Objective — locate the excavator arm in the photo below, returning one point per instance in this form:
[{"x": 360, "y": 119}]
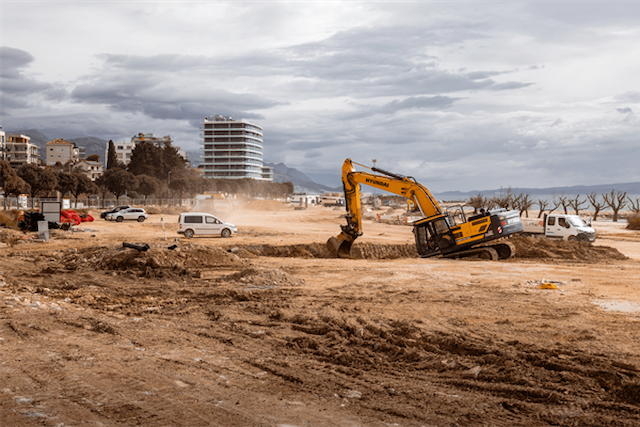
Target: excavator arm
[{"x": 393, "y": 183}]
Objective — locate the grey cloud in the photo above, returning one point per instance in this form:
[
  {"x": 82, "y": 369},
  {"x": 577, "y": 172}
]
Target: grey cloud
[
  {"x": 159, "y": 96},
  {"x": 481, "y": 75},
  {"x": 630, "y": 97},
  {"x": 625, "y": 110},
  {"x": 363, "y": 62},
  {"x": 16, "y": 89},
  {"x": 509, "y": 86},
  {"x": 12, "y": 61}
]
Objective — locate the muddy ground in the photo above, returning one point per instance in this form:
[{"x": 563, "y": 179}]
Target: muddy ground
[{"x": 264, "y": 329}]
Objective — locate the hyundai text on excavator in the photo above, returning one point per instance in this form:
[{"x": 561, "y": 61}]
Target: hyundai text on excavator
[{"x": 437, "y": 232}]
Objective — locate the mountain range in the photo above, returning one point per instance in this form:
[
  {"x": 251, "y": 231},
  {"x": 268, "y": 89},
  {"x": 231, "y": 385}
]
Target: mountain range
[{"x": 301, "y": 182}]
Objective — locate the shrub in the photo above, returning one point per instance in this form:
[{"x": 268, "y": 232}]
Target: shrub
[{"x": 633, "y": 222}]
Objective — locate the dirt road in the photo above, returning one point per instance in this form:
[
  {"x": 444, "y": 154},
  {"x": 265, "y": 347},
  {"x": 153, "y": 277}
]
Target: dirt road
[{"x": 262, "y": 330}]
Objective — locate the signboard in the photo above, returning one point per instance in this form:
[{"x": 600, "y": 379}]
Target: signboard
[{"x": 51, "y": 211}]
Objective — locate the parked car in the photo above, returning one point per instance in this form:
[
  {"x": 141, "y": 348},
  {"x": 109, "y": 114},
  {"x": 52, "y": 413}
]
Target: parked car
[
  {"x": 104, "y": 214},
  {"x": 136, "y": 214},
  {"x": 201, "y": 223}
]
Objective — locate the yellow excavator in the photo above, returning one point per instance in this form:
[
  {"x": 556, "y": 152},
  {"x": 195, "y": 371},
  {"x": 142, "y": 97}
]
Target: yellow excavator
[{"x": 436, "y": 233}]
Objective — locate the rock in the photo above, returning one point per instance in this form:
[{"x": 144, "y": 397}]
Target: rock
[
  {"x": 473, "y": 372},
  {"x": 352, "y": 394}
]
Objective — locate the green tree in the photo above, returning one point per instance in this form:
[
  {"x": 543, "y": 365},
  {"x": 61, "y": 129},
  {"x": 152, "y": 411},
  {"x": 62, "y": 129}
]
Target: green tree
[
  {"x": 171, "y": 161},
  {"x": 84, "y": 186},
  {"x": 118, "y": 181},
  {"x": 112, "y": 160},
  {"x": 10, "y": 182},
  {"x": 93, "y": 158},
  {"x": 148, "y": 185},
  {"x": 146, "y": 159},
  {"x": 67, "y": 182},
  {"x": 41, "y": 181}
]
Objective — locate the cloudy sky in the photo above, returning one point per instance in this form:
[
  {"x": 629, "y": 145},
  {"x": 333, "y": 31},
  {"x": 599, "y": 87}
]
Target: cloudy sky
[{"x": 463, "y": 95}]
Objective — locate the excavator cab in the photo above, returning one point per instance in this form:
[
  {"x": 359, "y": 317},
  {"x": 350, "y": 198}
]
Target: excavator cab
[{"x": 433, "y": 236}]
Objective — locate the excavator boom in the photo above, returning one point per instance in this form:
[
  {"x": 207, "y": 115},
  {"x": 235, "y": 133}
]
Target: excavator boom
[{"x": 436, "y": 233}]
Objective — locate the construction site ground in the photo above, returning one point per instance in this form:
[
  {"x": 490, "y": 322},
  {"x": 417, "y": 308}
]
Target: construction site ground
[{"x": 265, "y": 329}]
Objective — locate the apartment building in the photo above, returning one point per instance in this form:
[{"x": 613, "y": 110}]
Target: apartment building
[
  {"x": 232, "y": 149},
  {"x": 20, "y": 151},
  {"x": 89, "y": 168},
  {"x": 61, "y": 151}
]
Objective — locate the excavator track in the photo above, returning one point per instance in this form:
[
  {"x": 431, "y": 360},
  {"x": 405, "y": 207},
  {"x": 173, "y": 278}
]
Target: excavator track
[{"x": 494, "y": 252}]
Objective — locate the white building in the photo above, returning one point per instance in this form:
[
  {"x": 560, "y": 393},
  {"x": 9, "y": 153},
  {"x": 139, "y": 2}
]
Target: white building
[
  {"x": 89, "y": 168},
  {"x": 3, "y": 145},
  {"x": 61, "y": 151},
  {"x": 232, "y": 149}
]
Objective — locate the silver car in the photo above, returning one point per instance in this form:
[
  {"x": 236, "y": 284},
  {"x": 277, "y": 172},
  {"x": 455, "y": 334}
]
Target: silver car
[{"x": 136, "y": 214}]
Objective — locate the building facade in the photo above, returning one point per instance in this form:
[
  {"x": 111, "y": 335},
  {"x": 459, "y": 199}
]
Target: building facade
[
  {"x": 232, "y": 148},
  {"x": 61, "y": 151},
  {"x": 20, "y": 151},
  {"x": 89, "y": 168},
  {"x": 3, "y": 145}
]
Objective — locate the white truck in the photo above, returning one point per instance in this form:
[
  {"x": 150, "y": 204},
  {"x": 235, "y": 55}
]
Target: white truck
[{"x": 559, "y": 226}]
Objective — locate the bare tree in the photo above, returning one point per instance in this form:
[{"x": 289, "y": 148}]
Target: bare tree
[
  {"x": 544, "y": 204},
  {"x": 576, "y": 204},
  {"x": 634, "y": 204},
  {"x": 478, "y": 202},
  {"x": 504, "y": 199},
  {"x": 597, "y": 204},
  {"x": 564, "y": 202},
  {"x": 524, "y": 203},
  {"x": 615, "y": 201}
]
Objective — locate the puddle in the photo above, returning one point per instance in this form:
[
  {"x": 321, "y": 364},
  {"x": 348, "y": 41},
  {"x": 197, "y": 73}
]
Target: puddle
[{"x": 618, "y": 305}]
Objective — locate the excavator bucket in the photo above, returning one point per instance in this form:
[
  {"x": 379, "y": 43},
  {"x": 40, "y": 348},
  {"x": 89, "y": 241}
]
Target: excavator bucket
[{"x": 339, "y": 248}]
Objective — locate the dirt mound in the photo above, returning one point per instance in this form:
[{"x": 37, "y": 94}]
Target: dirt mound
[
  {"x": 526, "y": 248},
  {"x": 156, "y": 262},
  {"x": 10, "y": 236},
  {"x": 540, "y": 248},
  {"x": 263, "y": 277},
  {"x": 319, "y": 250},
  {"x": 374, "y": 251},
  {"x": 264, "y": 205}
]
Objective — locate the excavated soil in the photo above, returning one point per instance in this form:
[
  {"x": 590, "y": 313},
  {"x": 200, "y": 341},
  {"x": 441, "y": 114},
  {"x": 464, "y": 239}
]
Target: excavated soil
[
  {"x": 547, "y": 249},
  {"x": 526, "y": 248},
  {"x": 265, "y": 330}
]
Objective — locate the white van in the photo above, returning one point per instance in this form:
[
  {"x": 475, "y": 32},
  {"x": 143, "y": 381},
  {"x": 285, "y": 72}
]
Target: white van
[{"x": 201, "y": 223}]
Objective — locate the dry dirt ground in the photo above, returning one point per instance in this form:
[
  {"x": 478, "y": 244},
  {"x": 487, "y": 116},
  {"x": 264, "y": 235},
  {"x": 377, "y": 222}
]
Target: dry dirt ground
[{"x": 263, "y": 330}]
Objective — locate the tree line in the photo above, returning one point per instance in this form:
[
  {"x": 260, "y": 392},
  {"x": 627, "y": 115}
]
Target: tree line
[
  {"x": 614, "y": 200},
  {"x": 153, "y": 170}
]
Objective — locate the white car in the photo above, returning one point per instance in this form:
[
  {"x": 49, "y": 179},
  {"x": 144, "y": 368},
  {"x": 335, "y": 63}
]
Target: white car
[
  {"x": 136, "y": 214},
  {"x": 202, "y": 223}
]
